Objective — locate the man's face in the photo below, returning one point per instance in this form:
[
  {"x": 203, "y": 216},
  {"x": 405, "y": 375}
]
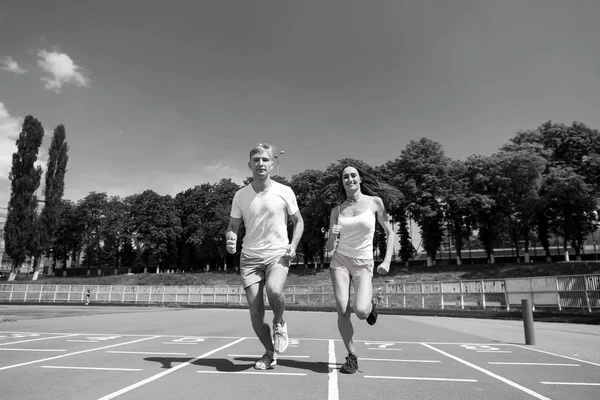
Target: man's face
[{"x": 261, "y": 164}]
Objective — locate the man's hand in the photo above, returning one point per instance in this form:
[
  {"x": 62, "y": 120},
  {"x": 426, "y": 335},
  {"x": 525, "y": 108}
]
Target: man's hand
[
  {"x": 231, "y": 242},
  {"x": 383, "y": 268},
  {"x": 290, "y": 253}
]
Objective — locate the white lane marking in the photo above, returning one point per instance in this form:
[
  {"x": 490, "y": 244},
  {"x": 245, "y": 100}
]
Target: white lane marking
[
  {"x": 78, "y": 352},
  {"x": 493, "y": 375},
  {"x": 83, "y": 341},
  {"x": 382, "y": 349},
  {"x": 333, "y": 391},
  {"x": 47, "y": 350},
  {"x": 170, "y": 370},
  {"x": 42, "y": 338},
  {"x": 252, "y": 373},
  {"x": 493, "y": 351},
  {"x": 572, "y": 383},
  {"x": 415, "y": 378},
  {"x": 556, "y": 355},
  {"x": 160, "y": 353},
  {"x": 279, "y": 357},
  {"x": 537, "y": 364},
  {"x": 178, "y": 343},
  {"x": 91, "y": 368},
  {"x": 399, "y": 360}
]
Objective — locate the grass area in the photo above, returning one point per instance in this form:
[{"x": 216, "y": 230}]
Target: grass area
[
  {"x": 315, "y": 277},
  {"x": 7, "y": 318}
]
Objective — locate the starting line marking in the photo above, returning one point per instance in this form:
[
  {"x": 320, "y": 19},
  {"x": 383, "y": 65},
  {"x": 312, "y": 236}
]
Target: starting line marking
[
  {"x": 533, "y": 363},
  {"x": 252, "y": 373},
  {"x": 571, "y": 383},
  {"x": 398, "y": 360},
  {"x": 411, "y": 378},
  {"x": 46, "y": 350},
  {"x": 279, "y": 357},
  {"x": 147, "y": 352},
  {"x": 91, "y": 368}
]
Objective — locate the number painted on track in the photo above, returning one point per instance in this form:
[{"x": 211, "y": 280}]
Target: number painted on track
[
  {"x": 479, "y": 347},
  {"x": 188, "y": 340},
  {"x": 19, "y": 336}
]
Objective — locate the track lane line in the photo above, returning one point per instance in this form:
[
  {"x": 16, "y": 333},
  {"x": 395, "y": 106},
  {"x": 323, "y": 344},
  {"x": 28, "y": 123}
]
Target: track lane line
[
  {"x": 332, "y": 387},
  {"x": 40, "y": 338},
  {"x": 169, "y": 371},
  {"x": 556, "y": 355},
  {"x": 493, "y": 375},
  {"x": 77, "y": 352}
]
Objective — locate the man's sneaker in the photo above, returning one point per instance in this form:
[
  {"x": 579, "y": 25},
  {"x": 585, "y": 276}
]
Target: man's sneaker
[
  {"x": 351, "y": 364},
  {"x": 280, "y": 337},
  {"x": 267, "y": 361},
  {"x": 372, "y": 318}
]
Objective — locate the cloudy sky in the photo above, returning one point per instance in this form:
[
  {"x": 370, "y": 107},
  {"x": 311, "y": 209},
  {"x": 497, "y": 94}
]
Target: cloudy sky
[{"x": 166, "y": 95}]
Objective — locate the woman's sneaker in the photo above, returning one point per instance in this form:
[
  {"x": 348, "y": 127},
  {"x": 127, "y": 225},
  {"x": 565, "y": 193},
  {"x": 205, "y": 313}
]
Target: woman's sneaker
[
  {"x": 280, "y": 337},
  {"x": 372, "y": 318},
  {"x": 351, "y": 364}
]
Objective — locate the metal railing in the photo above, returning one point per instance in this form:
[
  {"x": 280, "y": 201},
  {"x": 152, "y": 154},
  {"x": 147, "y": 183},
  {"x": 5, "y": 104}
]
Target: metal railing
[{"x": 558, "y": 292}]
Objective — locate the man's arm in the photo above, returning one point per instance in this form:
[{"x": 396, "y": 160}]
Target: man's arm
[
  {"x": 231, "y": 234},
  {"x": 298, "y": 222}
]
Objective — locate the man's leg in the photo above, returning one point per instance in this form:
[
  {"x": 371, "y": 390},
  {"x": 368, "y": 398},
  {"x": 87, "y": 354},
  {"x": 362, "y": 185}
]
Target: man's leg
[
  {"x": 274, "y": 284},
  {"x": 275, "y": 278},
  {"x": 254, "y": 295}
]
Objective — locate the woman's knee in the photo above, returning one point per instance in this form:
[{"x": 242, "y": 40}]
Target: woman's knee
[{"x": 362, "y": 312}]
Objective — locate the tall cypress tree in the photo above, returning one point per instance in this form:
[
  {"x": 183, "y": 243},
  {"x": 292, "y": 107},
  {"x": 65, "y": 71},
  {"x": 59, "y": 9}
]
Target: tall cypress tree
[
  {"x": 56, "y": 168},
  {"x": 20, "y": 228}
]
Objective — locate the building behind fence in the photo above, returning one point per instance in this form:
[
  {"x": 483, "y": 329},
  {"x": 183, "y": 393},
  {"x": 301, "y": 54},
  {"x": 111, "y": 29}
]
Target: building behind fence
[{"x": 576, "y": 292}]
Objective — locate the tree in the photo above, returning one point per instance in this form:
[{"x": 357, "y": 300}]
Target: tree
[
  {"x": 56, "y": 168},
  {"x": 569, "y": 204},
  {"x": 489, "y": 190},
  {"x": 424, "y": 168},
  {"x": 523, "y": 173},
  {"x": 155, "y": 226},
  {"x": 314, "y": 209},
  {"x": 91, "y": 212},
  {"x": 20, "y": 228}
]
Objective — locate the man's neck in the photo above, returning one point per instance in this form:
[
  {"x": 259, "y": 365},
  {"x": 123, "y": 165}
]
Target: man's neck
[{"x": 260, "y": 185}]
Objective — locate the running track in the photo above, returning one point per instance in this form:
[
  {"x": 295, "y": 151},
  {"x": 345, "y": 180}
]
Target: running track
[{"x": 77, "y": 352}]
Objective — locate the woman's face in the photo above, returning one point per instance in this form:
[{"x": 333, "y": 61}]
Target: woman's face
[{"x": 351, "y": 178}]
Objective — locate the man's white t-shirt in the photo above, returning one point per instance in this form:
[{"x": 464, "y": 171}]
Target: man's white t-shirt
[{"x": 265, "y": 218}]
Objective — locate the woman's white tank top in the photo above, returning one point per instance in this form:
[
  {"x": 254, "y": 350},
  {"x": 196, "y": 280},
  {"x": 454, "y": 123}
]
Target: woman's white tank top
[{"x": 356, "y": 237}]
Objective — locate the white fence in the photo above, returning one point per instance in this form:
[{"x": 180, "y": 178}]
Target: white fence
[{"x": 559, "y": 292}]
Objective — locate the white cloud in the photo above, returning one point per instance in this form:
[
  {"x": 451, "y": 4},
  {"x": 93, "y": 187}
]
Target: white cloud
[
  {"x": 9, "y": 131},
  {"x": 9, "y": 64},
  {"x": 62, "y": 70}
]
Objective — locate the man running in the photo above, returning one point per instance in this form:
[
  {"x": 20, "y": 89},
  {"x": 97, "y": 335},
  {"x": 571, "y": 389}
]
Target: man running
[{"x": 265, "y": 206}]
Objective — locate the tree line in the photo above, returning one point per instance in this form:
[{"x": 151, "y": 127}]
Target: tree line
[{"x": 543, "y": 182}]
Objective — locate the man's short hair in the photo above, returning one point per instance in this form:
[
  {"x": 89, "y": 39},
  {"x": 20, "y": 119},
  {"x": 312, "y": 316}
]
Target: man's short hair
[{"x": 263, "y": 146}]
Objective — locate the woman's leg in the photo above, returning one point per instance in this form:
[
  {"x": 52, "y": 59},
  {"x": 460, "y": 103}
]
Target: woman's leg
[
  {"x": 341, "y": 291},
  {"x": 363, "y": 295}
]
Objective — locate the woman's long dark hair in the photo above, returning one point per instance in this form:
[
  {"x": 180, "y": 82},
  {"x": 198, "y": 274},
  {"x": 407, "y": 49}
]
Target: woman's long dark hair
[{"x": 370, "y": 186}]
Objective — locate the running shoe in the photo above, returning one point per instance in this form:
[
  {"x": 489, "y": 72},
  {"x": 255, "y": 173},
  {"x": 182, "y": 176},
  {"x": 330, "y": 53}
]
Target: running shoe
[
  {"x": 372, "y": 318},
  {"x": 280, "y": 337},
  {"x": 351, "y": 364},
  {"x": 267, "y": 361}
]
